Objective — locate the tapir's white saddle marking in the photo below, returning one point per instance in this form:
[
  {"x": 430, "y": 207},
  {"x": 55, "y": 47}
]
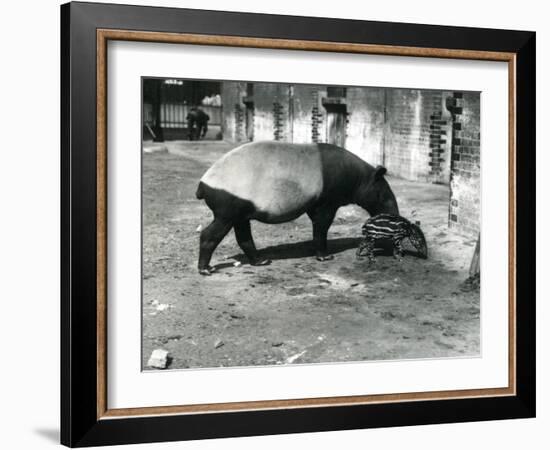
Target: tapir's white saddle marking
[{"x": 278, "y": 178}]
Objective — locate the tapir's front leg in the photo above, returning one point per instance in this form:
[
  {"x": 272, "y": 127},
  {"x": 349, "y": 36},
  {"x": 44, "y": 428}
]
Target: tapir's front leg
[{"x": 321, "y": 218}]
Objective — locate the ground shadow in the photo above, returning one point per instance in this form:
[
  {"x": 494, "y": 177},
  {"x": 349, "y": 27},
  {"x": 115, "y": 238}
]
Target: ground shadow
[
  {"x": 225, "y": 265},
  {"x": 387, "y": 250},
  {"x": 51, "y": 434},
  {"x": 303, "y": 249}
]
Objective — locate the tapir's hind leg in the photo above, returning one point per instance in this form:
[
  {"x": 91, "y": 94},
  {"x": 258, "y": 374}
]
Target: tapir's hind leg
[
  {"x": 322, "y": 218},
  {"x": 245, "y": 241},
  {"x": 211, "y": 236}
]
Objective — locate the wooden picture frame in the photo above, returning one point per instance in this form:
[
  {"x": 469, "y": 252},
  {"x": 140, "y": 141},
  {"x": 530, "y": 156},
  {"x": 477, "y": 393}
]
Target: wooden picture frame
[{"x": 85, "y": 416}]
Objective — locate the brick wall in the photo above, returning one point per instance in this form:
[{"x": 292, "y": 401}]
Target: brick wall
[
  {"x": 270, "y": 111},
  {"x": 317, "y": 117},
  {"x": 233, "y": 111},
  {"x": 278, "y": 121},
  {"x": 418, "y": 123},
  {"x": 406, "y": 130},
  {"x": 366, "y": 128},
  {"x": 464, "y": 209},
  {"x": 439, "y": 137},
  {"x": 305, "y": 104}
]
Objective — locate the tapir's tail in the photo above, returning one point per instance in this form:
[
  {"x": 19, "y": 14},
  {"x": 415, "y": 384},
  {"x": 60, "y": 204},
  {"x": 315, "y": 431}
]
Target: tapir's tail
[{"x": 200, "y": 191}]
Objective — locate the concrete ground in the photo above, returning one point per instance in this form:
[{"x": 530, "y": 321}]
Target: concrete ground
[{"x": 296, "y": 310}]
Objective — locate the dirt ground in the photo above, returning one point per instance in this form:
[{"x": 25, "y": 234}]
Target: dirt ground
[{"x": 296, "y": 310}]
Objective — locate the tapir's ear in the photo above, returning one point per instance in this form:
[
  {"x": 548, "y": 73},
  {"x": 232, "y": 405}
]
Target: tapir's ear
[{"x": 379, "y": 172}]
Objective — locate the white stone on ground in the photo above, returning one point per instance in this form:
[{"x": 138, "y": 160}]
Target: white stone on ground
[{"x": 158, "y": 359}]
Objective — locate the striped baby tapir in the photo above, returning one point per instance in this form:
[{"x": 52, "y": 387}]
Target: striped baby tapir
[{"x": 395, "y": 229}]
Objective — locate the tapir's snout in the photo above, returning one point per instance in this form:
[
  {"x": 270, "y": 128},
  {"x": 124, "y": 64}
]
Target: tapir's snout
[{"x": 388, "y": 203}]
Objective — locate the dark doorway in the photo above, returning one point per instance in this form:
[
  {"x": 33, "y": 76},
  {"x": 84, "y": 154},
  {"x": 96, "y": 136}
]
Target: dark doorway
[
  {"x": 249, "y": 112},
  {"x": 249, "y": 121}
]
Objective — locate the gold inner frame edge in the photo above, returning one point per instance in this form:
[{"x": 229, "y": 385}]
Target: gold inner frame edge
[{"x": 103, "y": 36}]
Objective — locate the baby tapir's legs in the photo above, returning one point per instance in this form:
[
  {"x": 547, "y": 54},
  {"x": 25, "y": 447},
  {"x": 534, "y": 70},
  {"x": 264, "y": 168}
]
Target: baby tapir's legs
[
  {"x": 398, "y": 248},
  {"x": 245, "y": 241},
  {"x": 368, "y": 245},
  {"x": 211, "y": 236},
  {"x": 321, "y": 218}
]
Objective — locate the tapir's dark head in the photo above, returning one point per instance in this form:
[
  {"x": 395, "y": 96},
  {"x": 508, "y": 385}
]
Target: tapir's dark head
[{"x": 375, "y": 195}]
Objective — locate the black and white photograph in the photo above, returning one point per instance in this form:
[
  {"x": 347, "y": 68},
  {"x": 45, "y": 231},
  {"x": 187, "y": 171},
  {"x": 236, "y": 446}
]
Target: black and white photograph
[{"x": 297, "y": 224}]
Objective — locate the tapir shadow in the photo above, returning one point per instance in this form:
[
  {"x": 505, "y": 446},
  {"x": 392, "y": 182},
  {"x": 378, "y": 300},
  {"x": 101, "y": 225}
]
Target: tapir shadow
[
  {"x": 303, "y": 249},
  {"x": 306, "y": 249},
  {"x": 388, "y": 251}
]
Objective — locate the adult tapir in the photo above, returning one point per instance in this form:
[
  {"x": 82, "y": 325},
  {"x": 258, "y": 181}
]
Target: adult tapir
[{"x": 276, "y": 182}]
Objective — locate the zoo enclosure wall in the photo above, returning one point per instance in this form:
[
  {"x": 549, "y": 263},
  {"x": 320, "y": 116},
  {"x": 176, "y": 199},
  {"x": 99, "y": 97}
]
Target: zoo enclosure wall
[{"x": 420, "y": 135}]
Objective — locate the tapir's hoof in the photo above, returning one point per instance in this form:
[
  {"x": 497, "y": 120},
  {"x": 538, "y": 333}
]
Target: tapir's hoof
[
  {"x": 325, "y": 257},
  {"x": 207, "y": 271},
  {"x": 261, "y": 262}
]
